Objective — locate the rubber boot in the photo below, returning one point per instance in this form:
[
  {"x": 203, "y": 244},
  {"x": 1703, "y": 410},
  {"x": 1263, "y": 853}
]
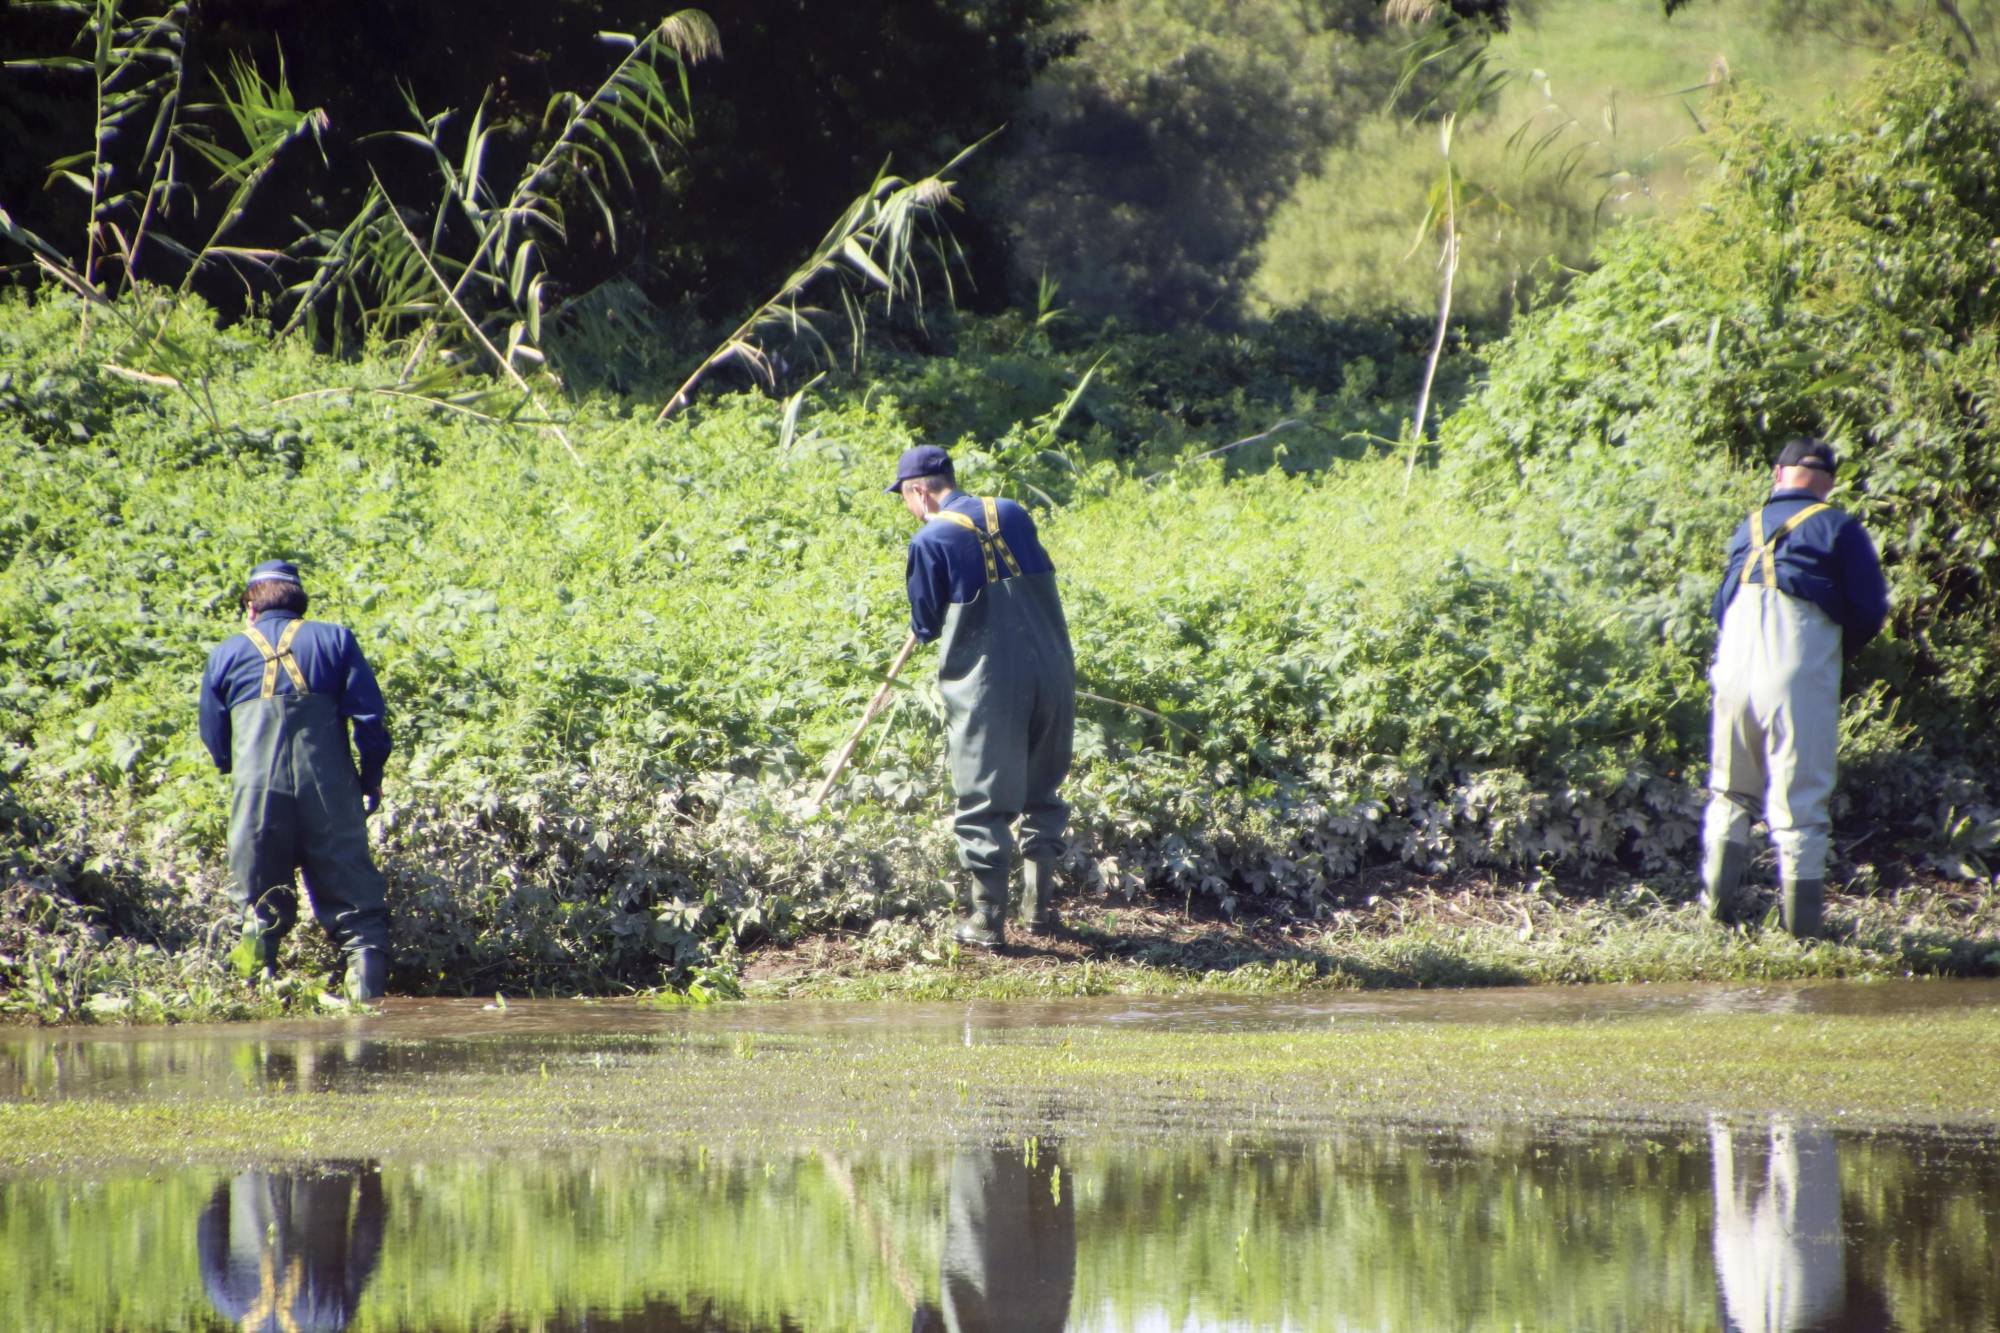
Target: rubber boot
[
  {"x": 367, "y": 974},
  {"x": 1722, "y": 870},
  {"x": 985, "y": 926},
  {"x": 1038, "y": 898},
  {"x": 1802, "y": 902}
]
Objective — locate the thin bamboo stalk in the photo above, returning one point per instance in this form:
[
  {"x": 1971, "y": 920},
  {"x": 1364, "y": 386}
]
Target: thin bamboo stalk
[
  {"x": 867, "y": 716},
  {"x": 1450, "y": 261}
]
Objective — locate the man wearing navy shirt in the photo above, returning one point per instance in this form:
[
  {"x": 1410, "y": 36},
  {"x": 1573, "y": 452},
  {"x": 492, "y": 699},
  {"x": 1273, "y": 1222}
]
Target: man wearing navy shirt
[
  {"x": 276, "y": 704},
  {"x": 1803, "y": 589},
  {"x": 981, "y": 584}
]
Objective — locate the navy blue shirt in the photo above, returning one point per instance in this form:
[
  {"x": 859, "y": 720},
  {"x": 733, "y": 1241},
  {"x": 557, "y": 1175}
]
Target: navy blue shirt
[
  {"x": 329, "y": 659},
  {"x": 946, "y": 564},
  {"x": 1828, "y": 560}
]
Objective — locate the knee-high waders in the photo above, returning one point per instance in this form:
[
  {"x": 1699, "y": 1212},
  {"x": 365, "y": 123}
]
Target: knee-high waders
[
  {"x": 1773, "y": 738},
  {"x": 295, "y": 804},
  {"x": 1008, "y": 678}
]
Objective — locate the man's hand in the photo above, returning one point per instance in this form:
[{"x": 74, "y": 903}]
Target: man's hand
[{"x": 371, "y": 801}]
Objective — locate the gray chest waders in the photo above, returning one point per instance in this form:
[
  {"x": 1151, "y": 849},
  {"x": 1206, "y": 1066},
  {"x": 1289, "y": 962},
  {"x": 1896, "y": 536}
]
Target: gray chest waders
[
  {"x": 295, "y": 804},
  {"x": 1008, "y": 679},
  {"x": 1009, "y": 1258},
  {"x": 1772, "y": 737}
]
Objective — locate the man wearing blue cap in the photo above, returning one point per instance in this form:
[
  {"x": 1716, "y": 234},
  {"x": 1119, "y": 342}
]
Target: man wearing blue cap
[
  {"x": 273, "y": 703},
  {"x": 981, "y": 584},
  {"x": 1803, "y": 589}
]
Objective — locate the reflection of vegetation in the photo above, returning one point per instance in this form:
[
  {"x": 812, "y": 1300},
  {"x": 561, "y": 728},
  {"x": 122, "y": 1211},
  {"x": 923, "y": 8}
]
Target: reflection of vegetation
[{"x": 1401, "y": 1229}]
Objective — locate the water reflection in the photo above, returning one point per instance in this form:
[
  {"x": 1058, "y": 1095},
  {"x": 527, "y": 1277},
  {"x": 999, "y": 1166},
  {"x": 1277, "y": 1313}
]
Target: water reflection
[
  {"x": 79, "y": 1064},
  {"x": 292, "y": 1251},
  {"x": 1009, "y": 1246},
  {"x": 1780, "y": 1251},
  {"x": 1770, "y": 1226}
]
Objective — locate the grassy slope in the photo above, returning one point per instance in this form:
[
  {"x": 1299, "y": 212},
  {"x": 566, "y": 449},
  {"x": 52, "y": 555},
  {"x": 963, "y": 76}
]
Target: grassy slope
[{"x": 1629, "y": 88}]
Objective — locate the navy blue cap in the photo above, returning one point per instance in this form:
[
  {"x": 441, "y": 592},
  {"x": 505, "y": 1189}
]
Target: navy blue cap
[
  {"x": 1815, "y": 454},
  {"x": 275, "y": 571},
  {"x": 923, "y": 460}
]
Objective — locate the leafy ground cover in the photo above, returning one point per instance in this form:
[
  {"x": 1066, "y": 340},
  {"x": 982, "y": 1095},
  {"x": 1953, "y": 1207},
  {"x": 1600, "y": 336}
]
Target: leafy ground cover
[{"x": 615, "y": 676}]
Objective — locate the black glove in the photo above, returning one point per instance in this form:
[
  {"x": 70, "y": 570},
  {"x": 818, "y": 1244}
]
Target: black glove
[{"x": 371, "y": 801}]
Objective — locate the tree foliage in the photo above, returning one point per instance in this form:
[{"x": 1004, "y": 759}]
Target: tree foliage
[
  {"x": 1151, "y": 151},
  {"x": 799, "y": 117}
]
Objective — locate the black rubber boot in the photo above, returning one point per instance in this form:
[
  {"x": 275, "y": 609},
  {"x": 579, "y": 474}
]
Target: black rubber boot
[
  {"x": 1038, "y": 898},
  {"x": 1803, "y": 901},
  {"x": 1722, "y": 871},
  {"x": 367, "y": 974},
  {"x": 985, "y": 926}
]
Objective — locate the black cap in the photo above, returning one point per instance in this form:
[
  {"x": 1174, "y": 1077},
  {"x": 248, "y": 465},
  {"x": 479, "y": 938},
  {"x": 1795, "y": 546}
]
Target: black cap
[
  {"x": 924, "y": 460},
  {"x": 1815, "y": 454}
]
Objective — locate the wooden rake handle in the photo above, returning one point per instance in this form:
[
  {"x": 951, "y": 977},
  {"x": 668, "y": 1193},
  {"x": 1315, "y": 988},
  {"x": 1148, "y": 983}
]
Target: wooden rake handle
[{"x": 867, "y": 715}]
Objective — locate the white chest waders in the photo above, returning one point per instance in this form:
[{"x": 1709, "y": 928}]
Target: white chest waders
[
  {"x": 1772, "y": 736},
  {"x": 1779, "y": 1247},
  {"x": 1008, "y": 679}
]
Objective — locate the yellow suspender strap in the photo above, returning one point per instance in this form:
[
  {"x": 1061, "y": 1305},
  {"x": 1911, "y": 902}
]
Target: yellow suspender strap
[
  {"x": 1762, "y": 553},
  {"x": 995, "y": 540},
  {"x": 949, "y": 516},
  {"x": 991, "y": 544},
  {"x": 275, "y": 657}
]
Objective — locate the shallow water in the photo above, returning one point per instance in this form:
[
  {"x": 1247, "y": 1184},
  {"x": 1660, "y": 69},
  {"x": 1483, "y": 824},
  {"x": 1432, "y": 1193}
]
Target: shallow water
[{"x": 1777, "y": 1224}]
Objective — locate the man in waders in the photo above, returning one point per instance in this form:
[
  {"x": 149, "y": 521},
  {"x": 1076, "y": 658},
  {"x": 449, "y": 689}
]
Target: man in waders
[
  {"x": 276, "y": 702},
  {"x": 980, "y": 583},
  {"x": 1803, "y": 588}
]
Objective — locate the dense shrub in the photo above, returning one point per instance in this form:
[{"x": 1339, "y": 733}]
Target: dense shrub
[
  {"x": 1149, "y": 153},
  {"x": 1841, "y": 281},
  {"x": 614, "y": 684}
]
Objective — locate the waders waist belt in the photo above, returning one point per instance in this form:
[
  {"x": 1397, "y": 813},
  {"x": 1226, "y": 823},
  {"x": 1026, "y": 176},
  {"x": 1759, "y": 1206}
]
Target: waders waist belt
[{"x": 991, "y": 544}]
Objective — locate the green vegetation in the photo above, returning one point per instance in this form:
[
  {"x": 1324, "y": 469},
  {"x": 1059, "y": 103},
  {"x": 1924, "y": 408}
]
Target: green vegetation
[
  {"x": 1600, "y": 122},
  {"x": 867, "y": 1086},
  {"x": 618, "y": 651},
  {"x": 1797, "y": 298}
]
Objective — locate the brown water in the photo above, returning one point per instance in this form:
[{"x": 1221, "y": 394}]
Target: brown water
[{"x": 1781, "y": 1224}]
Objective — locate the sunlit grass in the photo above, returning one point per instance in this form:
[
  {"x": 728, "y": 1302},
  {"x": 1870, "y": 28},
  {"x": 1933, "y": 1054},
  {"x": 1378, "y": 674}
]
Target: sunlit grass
[{"x": 707, "y": 1086}]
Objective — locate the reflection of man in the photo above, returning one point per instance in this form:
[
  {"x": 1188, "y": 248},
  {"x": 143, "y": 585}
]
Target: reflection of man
[
  {"x": 1803, "y": 587},
  {"x": 277, "y": 702},
  {"x": 981, "y": 584},
  {"x": 1009, "y": 1245},
  {"x": 1778, "y": 1251},
  {"x": 315, "y": 1066},
  {"x": 291, "y": 1251}
]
